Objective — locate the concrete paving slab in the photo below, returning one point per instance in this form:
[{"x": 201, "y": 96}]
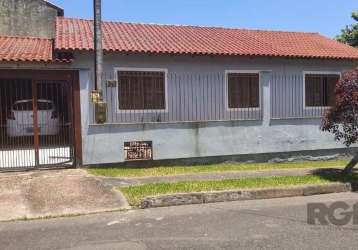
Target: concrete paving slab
[{"x": 55, "y": 193}]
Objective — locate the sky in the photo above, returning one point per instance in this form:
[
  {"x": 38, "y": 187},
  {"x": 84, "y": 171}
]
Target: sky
[{"x": 327, "y": 17}]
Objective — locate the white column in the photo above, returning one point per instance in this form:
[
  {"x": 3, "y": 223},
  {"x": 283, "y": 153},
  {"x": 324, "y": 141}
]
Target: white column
[{"x": 266, "y": 97}]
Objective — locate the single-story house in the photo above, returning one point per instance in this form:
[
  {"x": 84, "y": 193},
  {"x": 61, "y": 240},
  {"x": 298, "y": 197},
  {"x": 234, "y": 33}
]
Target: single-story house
[{"x": 172, "y": 91}]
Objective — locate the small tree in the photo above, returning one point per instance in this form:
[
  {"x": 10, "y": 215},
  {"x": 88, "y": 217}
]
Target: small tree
[
  {"x": 349, "y": 34},
  {"x": 342, "y": 119}
]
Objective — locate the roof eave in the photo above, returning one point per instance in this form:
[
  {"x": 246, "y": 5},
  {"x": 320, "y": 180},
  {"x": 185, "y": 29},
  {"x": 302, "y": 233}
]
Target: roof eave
[{"x": 205, "y": 54}]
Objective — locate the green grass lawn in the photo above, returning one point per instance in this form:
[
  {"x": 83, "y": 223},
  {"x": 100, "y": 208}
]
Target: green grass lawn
[
  {"x": 135, "y": 194},
  {"x": 129, "y": 172}
]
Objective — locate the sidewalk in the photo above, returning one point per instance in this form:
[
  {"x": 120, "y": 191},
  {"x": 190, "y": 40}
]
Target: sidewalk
[
  {"x": 55, "y": 193},
  {"x": 125, "y": 182}
]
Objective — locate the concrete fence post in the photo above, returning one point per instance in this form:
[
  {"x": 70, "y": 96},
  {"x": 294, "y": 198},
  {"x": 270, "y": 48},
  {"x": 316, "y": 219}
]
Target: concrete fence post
[{"x": 266, "y": 97}]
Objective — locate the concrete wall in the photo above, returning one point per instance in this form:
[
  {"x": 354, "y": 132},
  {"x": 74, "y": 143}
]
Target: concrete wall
[
  {"x": 33, "y": 18},
  {"x": 105, "y": 143}
]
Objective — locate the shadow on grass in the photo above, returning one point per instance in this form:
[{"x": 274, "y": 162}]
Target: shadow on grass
[{"x": 337, "y": 175}]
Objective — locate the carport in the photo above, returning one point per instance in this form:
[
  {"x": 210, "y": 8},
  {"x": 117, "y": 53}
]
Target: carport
[{"x": 39, "y": 119}]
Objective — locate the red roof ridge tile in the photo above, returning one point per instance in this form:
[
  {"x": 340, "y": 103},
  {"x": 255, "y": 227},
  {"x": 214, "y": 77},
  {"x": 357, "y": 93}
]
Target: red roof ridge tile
[{"x": 190, "y": 26}]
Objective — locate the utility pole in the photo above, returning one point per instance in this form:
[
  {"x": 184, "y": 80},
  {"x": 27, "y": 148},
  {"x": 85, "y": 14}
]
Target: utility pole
[
  {"x": 98, "y": 47},
  {"x": 97, "y": 95}
]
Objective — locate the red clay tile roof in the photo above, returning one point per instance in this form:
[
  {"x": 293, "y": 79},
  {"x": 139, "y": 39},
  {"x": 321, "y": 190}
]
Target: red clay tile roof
[
  {"x": 30, "y": 49},
  {"x": 15, "y": 49},
  {"x": 76, "y": 34}
]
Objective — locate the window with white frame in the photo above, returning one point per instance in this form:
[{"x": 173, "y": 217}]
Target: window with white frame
[
  {"x": 243, "y": 90},
  {"x": 319, "y": 89},
  {"x": 141, "y": 90}
]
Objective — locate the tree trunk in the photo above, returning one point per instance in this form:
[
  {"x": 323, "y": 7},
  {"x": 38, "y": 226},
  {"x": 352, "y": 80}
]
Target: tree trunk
[{"x": 349, "y": 168}]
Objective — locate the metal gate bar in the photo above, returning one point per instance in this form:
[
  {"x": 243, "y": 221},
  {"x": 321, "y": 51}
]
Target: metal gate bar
[
  {"x": 27, "y": 139},
  {"x": 35, "y": 122},
  {"x": 56, "y": 149},
  {"x": 15, "y": 152}
]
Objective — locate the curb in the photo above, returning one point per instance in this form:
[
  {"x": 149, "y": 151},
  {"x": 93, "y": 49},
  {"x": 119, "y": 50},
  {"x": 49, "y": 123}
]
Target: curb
[{"x": 239, "y": 195}]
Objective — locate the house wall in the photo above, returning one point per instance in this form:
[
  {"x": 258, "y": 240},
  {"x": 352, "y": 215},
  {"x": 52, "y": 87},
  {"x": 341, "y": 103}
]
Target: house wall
[
  {"x": 197, "y": 87},
  {"x": 34, "y": 18},
  {"x": 105, "y": 143}
]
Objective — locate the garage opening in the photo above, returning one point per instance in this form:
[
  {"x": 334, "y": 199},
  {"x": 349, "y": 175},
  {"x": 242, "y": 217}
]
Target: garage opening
[{"x": 36, "y": 128}]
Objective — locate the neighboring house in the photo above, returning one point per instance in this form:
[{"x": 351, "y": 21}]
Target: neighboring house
[
  {"x": 31, "y": 18},
  {"x": 172, "y": 92}
]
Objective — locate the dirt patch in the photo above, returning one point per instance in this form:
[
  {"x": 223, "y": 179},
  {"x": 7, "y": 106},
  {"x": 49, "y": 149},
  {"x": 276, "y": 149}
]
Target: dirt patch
[{"x": 55, "y": 193}]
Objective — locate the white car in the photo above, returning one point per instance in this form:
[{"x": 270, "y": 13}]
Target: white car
[{"x": 20, "y": 118}]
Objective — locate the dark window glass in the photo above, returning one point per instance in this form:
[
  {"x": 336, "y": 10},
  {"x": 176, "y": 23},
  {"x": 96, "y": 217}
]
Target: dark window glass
[
  {"x": 243, "y": 90},
  {"x": 141, "y": 90},
  {"x": 319, "y": 90}
]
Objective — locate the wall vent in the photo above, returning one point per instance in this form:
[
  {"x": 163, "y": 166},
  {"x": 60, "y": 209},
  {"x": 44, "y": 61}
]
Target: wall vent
[{"x": 138, "y": 150}]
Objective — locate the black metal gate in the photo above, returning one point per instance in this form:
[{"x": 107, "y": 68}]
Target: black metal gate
[{"x": 36, "y": 123}]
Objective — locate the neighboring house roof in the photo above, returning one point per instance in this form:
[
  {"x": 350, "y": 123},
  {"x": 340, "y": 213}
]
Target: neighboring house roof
[
  {"x": 60, "y": 11},
  {"x": 26, "y": 49},
  {"x": 77, "y": 34}
]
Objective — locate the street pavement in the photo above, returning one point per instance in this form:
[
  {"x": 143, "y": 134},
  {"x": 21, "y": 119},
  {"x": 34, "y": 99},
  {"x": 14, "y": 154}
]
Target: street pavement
[{"x": 258, "y": 224}]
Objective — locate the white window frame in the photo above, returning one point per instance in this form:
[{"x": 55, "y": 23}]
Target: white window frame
[
  {"x": 304, "y": 86},
  {"x": 163, "y": 70},
  {"x": 227, "y": 72}
]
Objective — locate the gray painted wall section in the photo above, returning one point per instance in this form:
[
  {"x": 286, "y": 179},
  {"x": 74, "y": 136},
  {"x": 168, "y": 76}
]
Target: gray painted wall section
[
  {"x": 197, "y": 86},
  {"x": 105, "y": 143},
  {"x": 287, "y": 93},
  {"x": 194, "y": 97}
]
